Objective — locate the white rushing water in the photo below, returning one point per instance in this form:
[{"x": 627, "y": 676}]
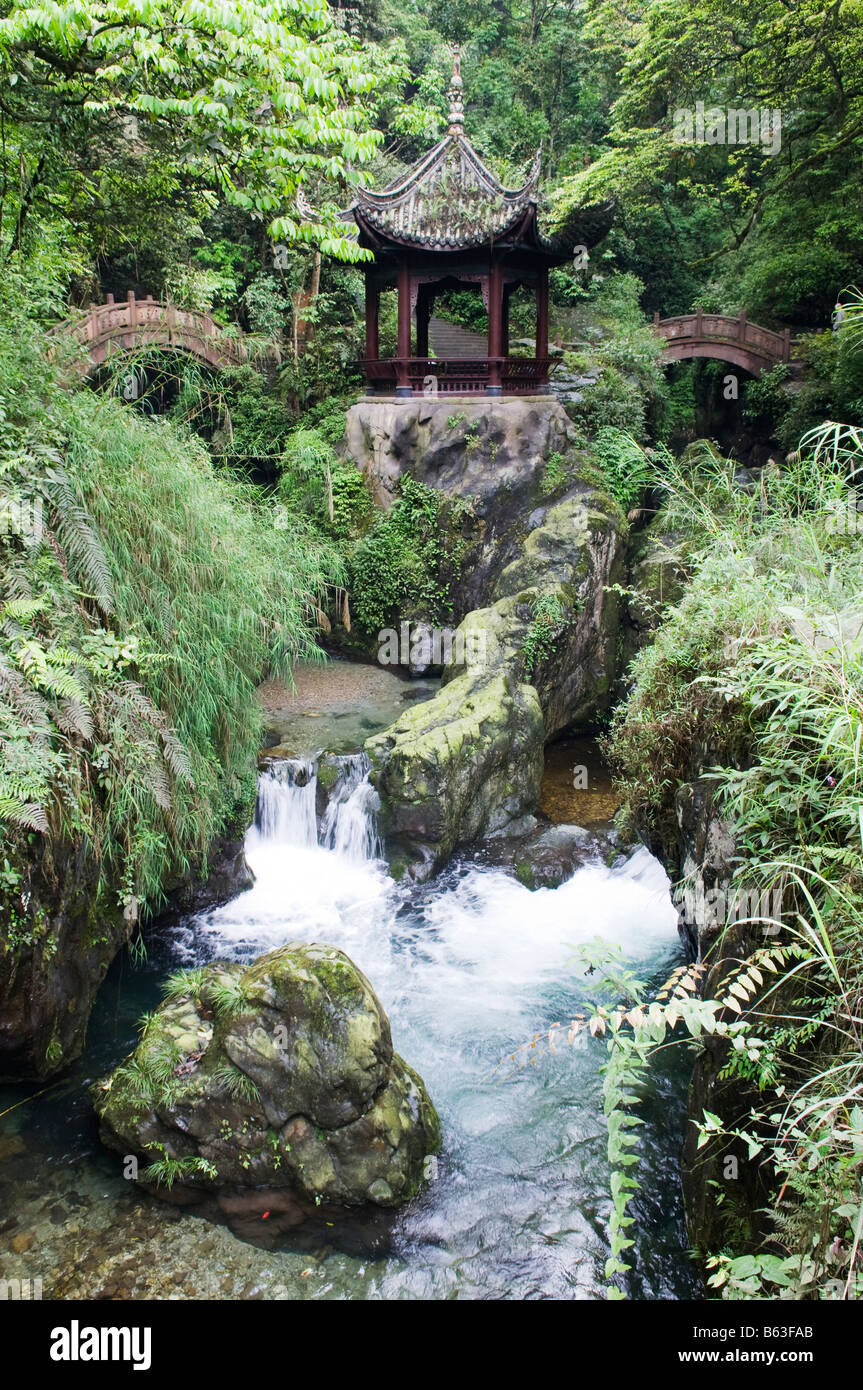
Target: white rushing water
[
  {"x": 349, "y": 824},
  {"x": 467, "y": 967}
]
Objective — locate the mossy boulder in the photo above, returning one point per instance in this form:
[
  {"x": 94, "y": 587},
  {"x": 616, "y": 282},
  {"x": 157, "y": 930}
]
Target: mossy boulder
[
  {"x": 507, "y": 461},
  {"x": 539, "y": 657},
  {"x": 551, "y": 856},
  {"x": 279, "y": 1075},
  {"x": 460, "y": 766}
]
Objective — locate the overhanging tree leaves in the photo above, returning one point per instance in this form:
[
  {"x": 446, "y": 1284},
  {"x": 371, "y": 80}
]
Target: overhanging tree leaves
[
  {"x": 257, "y": 94},
  {"x": 776, "y": 213}
]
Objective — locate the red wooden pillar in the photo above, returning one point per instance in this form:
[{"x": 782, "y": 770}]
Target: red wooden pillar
[
  {"x": 373, "y": 303},
  {"x": 504, "y": 332},
  {"x": 403, "y": 381},
  {"x": 542, "y": 321},
  {"x": 495, "y": 330},
  {"x": 423, "y": 316}
]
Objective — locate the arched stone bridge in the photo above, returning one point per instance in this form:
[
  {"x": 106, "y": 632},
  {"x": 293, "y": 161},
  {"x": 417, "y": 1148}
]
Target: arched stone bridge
[
  {"x": 731, "y": 338},
  {"x": 138, "y": 323}
]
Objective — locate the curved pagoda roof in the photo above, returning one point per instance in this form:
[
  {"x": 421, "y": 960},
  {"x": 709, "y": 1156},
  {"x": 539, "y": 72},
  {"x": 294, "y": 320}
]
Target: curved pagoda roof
[{"x": 450, "y": 200}]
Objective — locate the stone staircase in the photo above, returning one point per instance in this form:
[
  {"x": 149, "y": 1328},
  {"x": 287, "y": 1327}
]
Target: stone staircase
[{"x": 451, "y": 341}]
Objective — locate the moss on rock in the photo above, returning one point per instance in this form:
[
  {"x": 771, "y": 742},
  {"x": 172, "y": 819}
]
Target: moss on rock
[{"x": 296, "y": 1085}]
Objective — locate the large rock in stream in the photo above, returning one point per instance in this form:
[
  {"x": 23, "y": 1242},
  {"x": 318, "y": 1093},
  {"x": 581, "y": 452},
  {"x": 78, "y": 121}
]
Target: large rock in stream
[
  {"x": 275, "y": 1078},
  {"x": 536, "y": 648}
]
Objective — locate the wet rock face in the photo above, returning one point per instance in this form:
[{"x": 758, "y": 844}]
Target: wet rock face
[
  {"x": 705, "y": 851},
  {"x": 229, "y": 874},
  {"x": 702, "y": 855},
  {"x": 657, "y": 571},
  {"x": 551, "y": 857},
  {"x": 280, "y": 1075},
  {"x": 540, "y": 855},
  {"x": 62, "y": 943},
  {"x": 54, "y": 954}
]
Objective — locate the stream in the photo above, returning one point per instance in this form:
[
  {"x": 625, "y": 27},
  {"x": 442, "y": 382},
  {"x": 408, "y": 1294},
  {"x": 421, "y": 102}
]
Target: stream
[{"x": 469, "y": 968}]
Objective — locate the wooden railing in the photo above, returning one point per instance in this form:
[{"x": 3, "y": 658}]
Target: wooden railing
[
  {"x": 136, "y": 323},
  {"x": 523, "y": 376}
]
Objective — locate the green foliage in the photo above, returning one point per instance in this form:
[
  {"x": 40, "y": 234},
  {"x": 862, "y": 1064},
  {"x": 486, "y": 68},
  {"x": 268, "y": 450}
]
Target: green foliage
[
  {"x": 678, "y": 407},
  {"x": 235, "y": 1083},
  {"x": 614, "y": 401},
  {"x": 307, "y": 476},
  {"x": 548, "y": 622},
  {"x": 133, "y": 628},
  {"x": 764, "y": 395},
  {"x": 621, "y": 344},
  {"x": 164, "y": 1172},
  {"x": 464, "y": 307},
  {"x": 553, "y": 472},
  {"x": 184, "y": 984},
  {"x": 257, "y": 97},
  {"x": 266, "y": 306},
  {"x": 244, "y": 420},
  {"x": 636, "y": 1027},
  {"x": 756, "y": 679},
  {"x": 831, "y": 386},
  {"x": 625, "y": 467},
  {"x": 227, "y": 997},
  {"x": 775, "y": 226},
  {"x": 316, "y": 482}
]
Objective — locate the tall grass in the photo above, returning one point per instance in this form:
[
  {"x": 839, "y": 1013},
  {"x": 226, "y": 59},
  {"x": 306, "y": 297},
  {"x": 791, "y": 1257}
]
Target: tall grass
[{"x": 134, "y": 631}]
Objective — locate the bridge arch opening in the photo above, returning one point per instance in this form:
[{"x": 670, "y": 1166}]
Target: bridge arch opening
[
  {"x": 708, "y": 400},
  {"x": 155, "y": 379}
]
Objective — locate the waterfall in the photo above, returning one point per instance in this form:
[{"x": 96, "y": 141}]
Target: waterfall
[
  {"x": 472, "y": 969},
  {"x": 285, "y": 809},
  {"x": 349, "y": 825},
  {"x": 285, "y": 812}
]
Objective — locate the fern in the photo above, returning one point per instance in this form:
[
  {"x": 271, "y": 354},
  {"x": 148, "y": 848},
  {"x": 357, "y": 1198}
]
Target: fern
[
  {"x": 27, "y": 814},
  {"x": 228, "y": 998},
  {"x": 75, "y": 532},
  {"x": 135, "y": 626},
  {"x": 185, "y": 984}
]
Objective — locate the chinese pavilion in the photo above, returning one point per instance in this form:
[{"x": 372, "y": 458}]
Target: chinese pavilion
[{"x": 448, "y": 223}]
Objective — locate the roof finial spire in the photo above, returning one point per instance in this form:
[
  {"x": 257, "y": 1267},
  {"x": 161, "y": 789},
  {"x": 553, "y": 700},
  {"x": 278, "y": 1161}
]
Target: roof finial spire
[{"x": 456, "y": 109}]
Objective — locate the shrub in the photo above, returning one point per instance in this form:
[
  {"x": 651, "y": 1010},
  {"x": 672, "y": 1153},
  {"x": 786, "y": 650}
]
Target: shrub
[
  {"x": 624, "y": 466},
  {"x": 548, "y": 622},
  {"x": 332, "y": 492},
  {"x": 406, "y": 564}
]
